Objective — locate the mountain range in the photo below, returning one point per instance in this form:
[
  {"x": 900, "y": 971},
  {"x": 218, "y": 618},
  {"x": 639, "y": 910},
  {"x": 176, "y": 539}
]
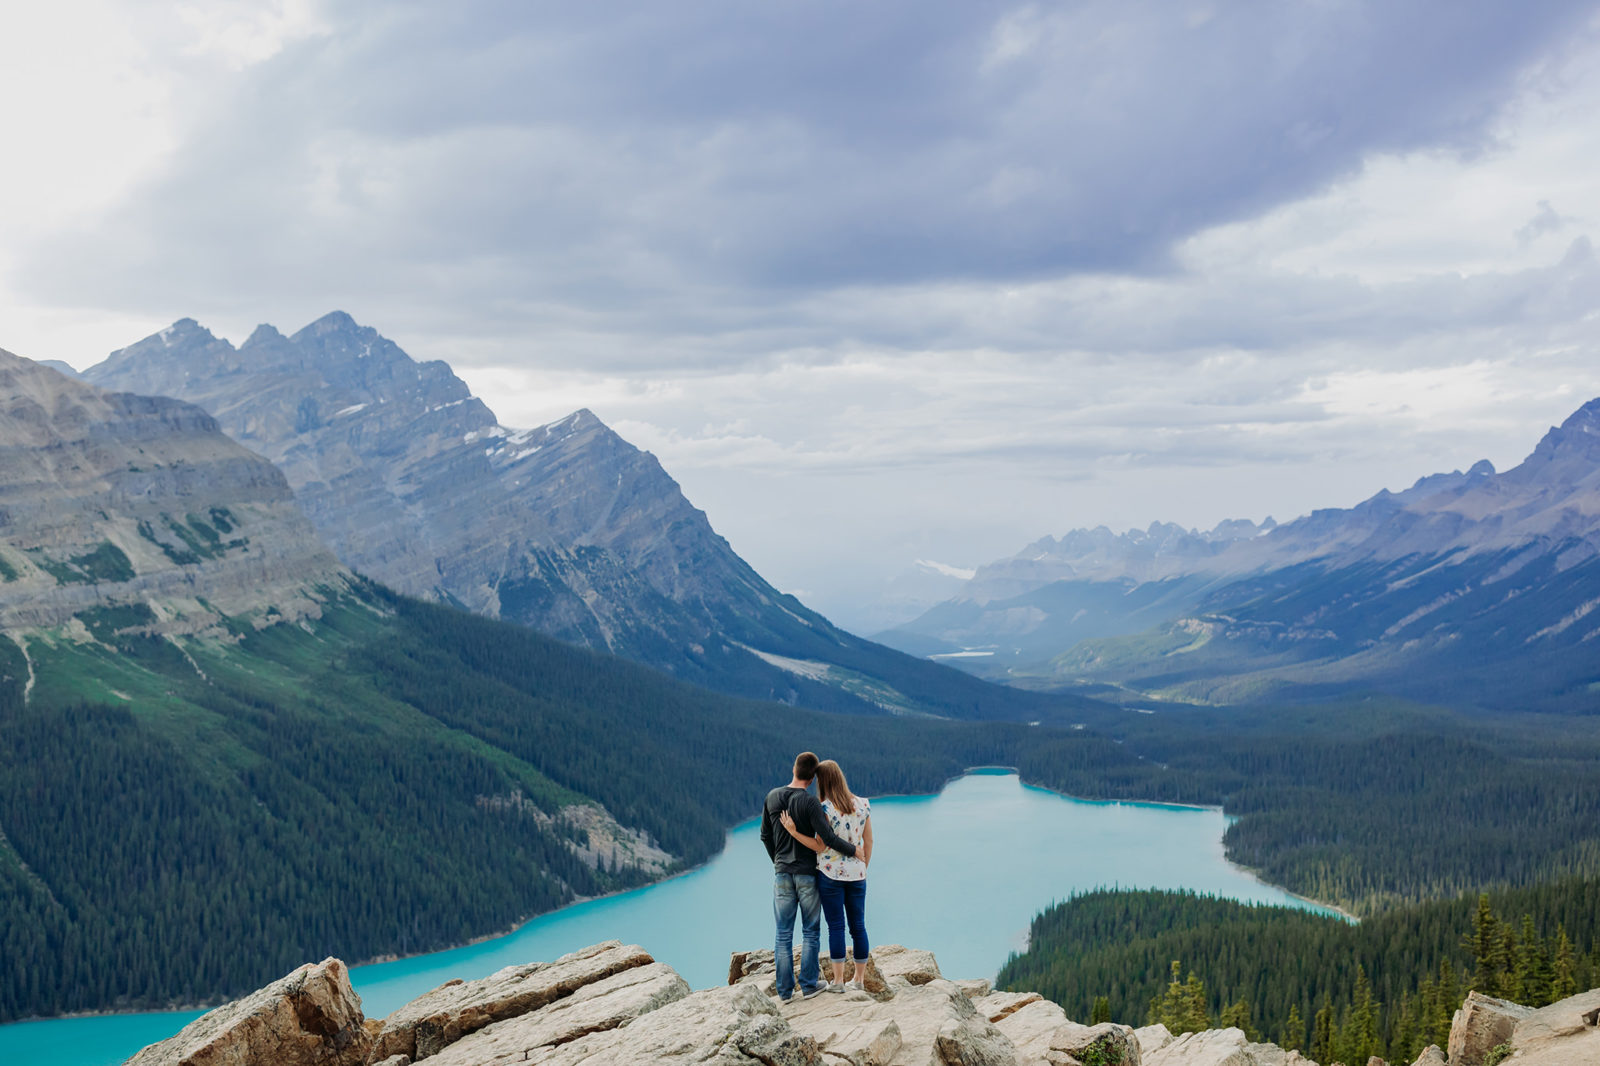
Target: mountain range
[
  {"x": 565, "y": 528},
  {"x": 1475, "y": 587}
]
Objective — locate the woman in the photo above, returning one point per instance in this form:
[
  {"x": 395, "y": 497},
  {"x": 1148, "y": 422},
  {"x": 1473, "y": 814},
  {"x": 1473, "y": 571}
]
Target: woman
[{"x": 841, "y": 881}]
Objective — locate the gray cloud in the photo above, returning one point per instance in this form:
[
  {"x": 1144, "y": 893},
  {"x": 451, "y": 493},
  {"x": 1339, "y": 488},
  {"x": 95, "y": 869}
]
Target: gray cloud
[{"x": 697, "y": 169}]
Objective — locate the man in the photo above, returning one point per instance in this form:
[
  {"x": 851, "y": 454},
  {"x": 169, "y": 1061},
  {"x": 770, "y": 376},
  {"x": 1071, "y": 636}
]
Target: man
[{"x": 794, "y": 885}]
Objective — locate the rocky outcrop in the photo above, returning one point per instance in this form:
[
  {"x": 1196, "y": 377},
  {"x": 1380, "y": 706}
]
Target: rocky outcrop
[
  {"x": 310, "y": 1018},
  {"x": 139, "y": 513},
  {"x": 1482, "y": 1024},
  {"x": 1566, "y": 1033},
  {"x": 1219, "y": 1047},
  {"x": 613, "y": 1005},
  {"x": 426, "y": 1025}
]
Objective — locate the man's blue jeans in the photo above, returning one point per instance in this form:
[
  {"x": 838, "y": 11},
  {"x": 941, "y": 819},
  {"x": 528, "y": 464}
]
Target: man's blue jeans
[{"x": 790, "y": 893}]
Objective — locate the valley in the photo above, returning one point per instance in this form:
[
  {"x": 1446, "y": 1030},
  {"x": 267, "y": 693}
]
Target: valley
[{"x": 217, "y": 736}]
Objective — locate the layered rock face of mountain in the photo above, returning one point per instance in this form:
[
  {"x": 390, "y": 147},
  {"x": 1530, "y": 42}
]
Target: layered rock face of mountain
[
  {"x": 566, "y": 528},
  {"x": 1474, "y": 584},
  {"x": 115, "y": 501}
]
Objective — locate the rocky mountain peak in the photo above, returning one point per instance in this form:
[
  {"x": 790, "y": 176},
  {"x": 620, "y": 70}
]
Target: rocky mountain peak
[
  {"x": 263, "y": 334},
  {"x": 110, "y": 499}
]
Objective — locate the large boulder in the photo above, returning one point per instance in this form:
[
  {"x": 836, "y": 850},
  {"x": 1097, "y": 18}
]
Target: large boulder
[
  {"x": 997, "y": 1005},
  {"x": 1106, "y": 1042},
  {"x": 733, "y": 1026},
  {"x": 607, "y": 1004},
  {"x": 1482, "y": 1024},
  {"x": 916, "y": 966},
  {"x": 1152, "y": 1038},
  {"x": 1217, "y": 1047},
  {"x": 1563, "y": 1034},
  {"x": 1031, "y": 1026},
  {"x": 427, "y": 1025},
  {"x": 934, "y": 1023},
  {"x": 312, "y": 1017}
]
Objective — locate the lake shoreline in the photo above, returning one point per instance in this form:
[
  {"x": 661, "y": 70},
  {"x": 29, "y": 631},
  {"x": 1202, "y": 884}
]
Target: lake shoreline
[{"x": 517, "y": 926}]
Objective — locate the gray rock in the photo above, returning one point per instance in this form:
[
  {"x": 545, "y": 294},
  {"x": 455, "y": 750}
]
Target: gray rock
[
  {"x": 428, "y": 1024},
  {"x": 916, "y": 966},
  {"x": 1482, "y": 1024},
  {"x": 312, "y": 1017},
  {"x": 1106, "y": 1041},
  {"x": 1566, "y": 1033},
  {"x": 1030, "y": 1026},
  {"x": 606, "y": 1004},
  {"x": 1431, "y": 1056},
  {"x": 1216, "y": 1047},
  {"x": 934, "y": 1023},
  {"x": 997, "y": 1005},
  {"x": 732, "y": 1026},
  {"x": 1152, "y": 1038}
]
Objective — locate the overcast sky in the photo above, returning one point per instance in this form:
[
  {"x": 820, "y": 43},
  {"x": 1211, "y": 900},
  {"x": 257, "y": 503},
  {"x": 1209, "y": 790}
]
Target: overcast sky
[{"x": 877, "y": 281}]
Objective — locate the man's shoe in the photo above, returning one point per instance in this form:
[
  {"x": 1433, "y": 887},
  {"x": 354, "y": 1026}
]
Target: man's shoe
[{"x": 813, "y": 993}]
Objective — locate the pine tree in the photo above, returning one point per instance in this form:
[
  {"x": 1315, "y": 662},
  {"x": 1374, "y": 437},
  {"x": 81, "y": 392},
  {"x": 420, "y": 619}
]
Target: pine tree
[
  {"x": 1237, "y": 1016},
  {"x": 1169, "y": 1009},
  {"x": 1487, "y": 943},
  {"x": 1195, "y": 1017},
  {"x": 1563, "y": 968},
  {"x": 1293, "y": 1037},
  {"x": 1102, "y": 1010},
  {"x": 1322, "y": 1034},
  {"x": 1448, "y": 998},
  {"x": 1403, "y": 1040},
  {"x": 1359, "y": 1034},
  {"x": 1532, "y": 967}
]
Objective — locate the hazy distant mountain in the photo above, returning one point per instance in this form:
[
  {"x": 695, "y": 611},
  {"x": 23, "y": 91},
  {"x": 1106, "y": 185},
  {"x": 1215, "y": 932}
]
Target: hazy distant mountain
[
  {"x": 566, "y": 528},
  {"x": 1018, "y": 612},
  {"x": 1468, "y": 586}
]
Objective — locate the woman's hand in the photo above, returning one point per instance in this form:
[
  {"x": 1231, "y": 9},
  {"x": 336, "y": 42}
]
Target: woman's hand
[{"x": 814, "y": 843}]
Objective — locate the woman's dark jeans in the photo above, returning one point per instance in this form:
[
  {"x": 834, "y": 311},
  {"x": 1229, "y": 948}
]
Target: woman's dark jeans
[{"x": 844, "y": 902}]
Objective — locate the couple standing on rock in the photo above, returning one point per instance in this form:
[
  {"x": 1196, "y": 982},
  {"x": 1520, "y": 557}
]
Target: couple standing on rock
[{"x": 820, "y": 852}]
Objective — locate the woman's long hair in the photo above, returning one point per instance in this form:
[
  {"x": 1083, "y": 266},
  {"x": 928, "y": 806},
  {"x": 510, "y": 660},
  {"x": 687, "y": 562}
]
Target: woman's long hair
[{"x": 834, "y": 788}]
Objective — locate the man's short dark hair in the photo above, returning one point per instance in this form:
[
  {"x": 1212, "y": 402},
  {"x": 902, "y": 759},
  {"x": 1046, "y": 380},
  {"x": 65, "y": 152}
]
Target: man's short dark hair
[{"x": 805, "y": 766}]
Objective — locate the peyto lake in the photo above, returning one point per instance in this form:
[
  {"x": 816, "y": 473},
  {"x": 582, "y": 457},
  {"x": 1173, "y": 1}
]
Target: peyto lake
[{"x": 961, "y": 873}]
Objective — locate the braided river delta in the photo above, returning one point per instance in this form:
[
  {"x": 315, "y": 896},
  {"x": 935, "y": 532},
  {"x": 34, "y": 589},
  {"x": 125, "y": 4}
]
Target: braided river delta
[{"x": 961, "y": 873}]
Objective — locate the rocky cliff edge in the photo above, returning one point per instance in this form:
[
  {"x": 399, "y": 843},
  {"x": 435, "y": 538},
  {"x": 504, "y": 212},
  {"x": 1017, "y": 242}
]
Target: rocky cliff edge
[{"x": 613, "y": 1004}]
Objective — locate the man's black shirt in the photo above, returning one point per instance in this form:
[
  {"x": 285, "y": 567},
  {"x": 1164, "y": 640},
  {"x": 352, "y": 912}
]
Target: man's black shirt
[{"x": 789, "y": 856}]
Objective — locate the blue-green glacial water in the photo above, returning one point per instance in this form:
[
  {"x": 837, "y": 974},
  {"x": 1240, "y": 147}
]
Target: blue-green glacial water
[{"x": 961, "y": 873}]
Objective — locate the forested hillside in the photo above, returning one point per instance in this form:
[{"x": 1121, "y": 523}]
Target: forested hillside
[
  {"x": 1372, "y": 803},
  {"x": 1337, "y": 990}
]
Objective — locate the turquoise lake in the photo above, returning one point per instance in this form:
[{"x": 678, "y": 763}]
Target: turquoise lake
[{"x": 961, "y": 873}]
